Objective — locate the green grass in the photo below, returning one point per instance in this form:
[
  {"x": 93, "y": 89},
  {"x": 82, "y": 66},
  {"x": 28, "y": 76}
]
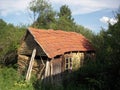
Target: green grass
[{"x": 10, "y": 80}]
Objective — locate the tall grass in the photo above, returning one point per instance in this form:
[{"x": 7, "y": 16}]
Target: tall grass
[
  {"x": 93, "y": 76},
  {"x": 10, "y": 80}
]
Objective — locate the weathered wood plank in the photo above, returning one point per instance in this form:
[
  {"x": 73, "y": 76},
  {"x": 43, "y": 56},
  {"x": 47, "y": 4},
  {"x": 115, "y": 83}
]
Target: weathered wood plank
[
  {"x": 28, "y": 75},
  {"x": 51, "y": 65},
  {"x": 47, "y": 69},
  {"x": 41, "y": 71}
]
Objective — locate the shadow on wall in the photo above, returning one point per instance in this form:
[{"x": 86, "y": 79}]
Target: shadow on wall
[
  {"x": 79, "y": 78},
  {"x": 52, "y": 82}
]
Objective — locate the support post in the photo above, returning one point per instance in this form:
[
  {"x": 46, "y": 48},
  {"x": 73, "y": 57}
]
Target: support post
[
  {"x": 47, "y": 72},
  {"x": 40, "y": 74},
  {"x": 47, "y": 69},
  {"x": 28, "y": 75},
  {"x": 51, "y": 72}
]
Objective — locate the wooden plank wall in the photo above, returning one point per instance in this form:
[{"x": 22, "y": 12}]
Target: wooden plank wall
[{"x": 56, "y": 70}]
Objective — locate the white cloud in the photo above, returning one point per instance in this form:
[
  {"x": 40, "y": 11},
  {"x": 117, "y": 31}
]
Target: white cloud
[
  {"x": 76, "y": 6},
  {"x": 12, "y": 6},
  {"x": 87, "y": 6},
  {"x": 104, "y": 19},
  {"x": 107, "y": 20}
]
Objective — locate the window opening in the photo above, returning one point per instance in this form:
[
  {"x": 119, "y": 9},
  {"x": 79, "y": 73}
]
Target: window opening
[{"x": 68, "y": 64}]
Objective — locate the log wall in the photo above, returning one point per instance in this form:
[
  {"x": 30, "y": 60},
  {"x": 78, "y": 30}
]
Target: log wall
[
  {"x": 27, "y": 46},
  {"x": 23, "y": 64},
  {"x": 24, "y": 55}
]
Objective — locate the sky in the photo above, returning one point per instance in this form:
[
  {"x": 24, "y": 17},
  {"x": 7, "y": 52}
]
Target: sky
[{"x": 92, "y": 14}]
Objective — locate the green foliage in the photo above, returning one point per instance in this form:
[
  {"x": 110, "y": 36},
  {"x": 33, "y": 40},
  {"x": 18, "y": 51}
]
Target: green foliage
[
  {"x": 65, "y": 20},
  {"x": 84, "y": 31},
  {"x": 10, "y": 37},
  {"x": 103, "y": 74},
  {"x": 46, "y": 20},
  {"x": 10, "y": 80},
  {"x": 43, "y": 14},
  {"x": 108, "y": 49},
  {"x": 39, "y": 6},
  {"x": 45, "y": 17}
]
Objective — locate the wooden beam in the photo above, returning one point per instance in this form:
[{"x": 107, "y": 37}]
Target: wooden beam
[
  {"x": 40, "y": 74},
  {"x": 47, "y": 69},
  {"x": 28, "y": 75},
  {"x": 51, "y": 72}
]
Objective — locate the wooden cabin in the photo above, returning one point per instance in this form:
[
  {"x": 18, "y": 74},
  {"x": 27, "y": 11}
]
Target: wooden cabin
[{"x": 48, "y": 53}]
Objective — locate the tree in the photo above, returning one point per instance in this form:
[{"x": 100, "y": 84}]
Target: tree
[
  {"x": 65, "y": 12},
  {"x": 42, "y": 13},
  {"x": 45, "y": 17},
  {"x": 65, "y": 20},
  {"x": 112, "y": 42},
  {"x": 107, "y": 44},
  {"x": 46, "y": 20}
]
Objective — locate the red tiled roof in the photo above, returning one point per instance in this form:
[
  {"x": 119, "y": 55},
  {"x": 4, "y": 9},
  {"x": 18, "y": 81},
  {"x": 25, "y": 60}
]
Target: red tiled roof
[{"x": 57, "y": 42}]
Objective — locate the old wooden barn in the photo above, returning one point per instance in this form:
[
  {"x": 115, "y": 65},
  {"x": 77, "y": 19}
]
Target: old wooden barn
[{"x": 47, "y": 53}]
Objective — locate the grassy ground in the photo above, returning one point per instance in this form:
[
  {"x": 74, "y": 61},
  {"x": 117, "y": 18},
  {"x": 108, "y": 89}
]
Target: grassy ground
[{"x": 10, "y": 80}]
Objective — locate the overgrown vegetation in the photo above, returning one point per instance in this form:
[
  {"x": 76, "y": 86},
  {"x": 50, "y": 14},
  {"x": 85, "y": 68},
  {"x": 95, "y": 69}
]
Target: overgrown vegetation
[
  {"x": 10, "y": 37},
  {"x": 103, "y": 74},
  {"x": 45, "y": 17},
  {"x": 10, "y": 80}
]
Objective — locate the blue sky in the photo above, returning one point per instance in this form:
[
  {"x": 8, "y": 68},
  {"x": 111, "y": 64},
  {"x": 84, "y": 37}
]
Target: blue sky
[{"x": 92, "y": 14}]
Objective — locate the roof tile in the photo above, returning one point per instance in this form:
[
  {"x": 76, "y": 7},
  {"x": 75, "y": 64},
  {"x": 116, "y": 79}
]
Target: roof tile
[{"x": 57, "y": 42}]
